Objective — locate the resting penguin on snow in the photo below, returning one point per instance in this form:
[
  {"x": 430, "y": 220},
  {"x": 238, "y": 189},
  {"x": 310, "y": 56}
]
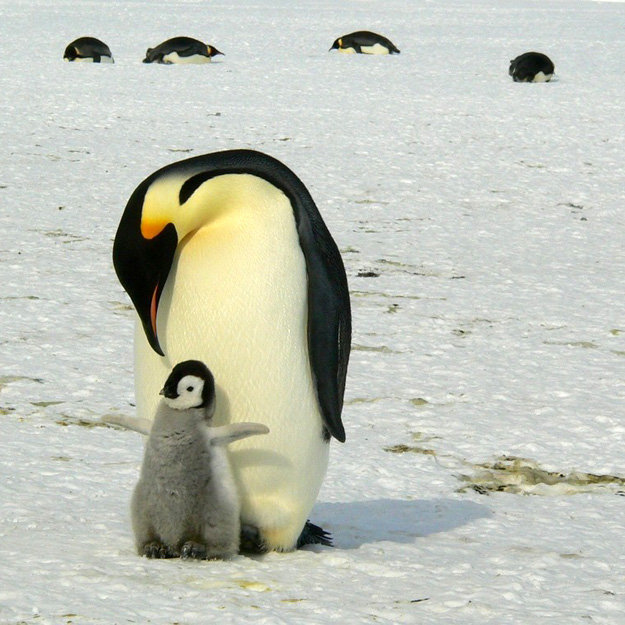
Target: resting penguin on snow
[
  {"x": 364, "y": 42},
  {"x": 88, "y": 49},
  {"x": 531, "y": 67},
  {"x": 186, "y": 502},
  {"x": 227, "y": 259},
  {"x": 181, "y": 50}
]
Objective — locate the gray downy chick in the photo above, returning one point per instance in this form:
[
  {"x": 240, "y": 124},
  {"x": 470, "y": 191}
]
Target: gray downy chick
[{"x": 186, "y": 502}]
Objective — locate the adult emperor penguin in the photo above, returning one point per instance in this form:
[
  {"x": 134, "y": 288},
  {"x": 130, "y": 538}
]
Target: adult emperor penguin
[
  {"x": 181, "y": 50},
  {"x": 531, "y": 67},
  {"x": 364, "y": 42},
  {"x": 227, "y": 260},
  {"x": 88, "y": 49}
]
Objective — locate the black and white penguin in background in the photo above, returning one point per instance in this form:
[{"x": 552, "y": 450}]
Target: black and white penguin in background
[
  {"x": 186, "y": 502},
  {"x": 227, "y": 260},
  {"x": 181, "y": 50},
  {"x": 531, "y": 67},
  {"x": 88, "y": 49},
  {"x": 364, "y": 42}
]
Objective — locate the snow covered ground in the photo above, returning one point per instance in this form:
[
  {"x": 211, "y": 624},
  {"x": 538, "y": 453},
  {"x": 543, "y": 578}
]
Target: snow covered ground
[{"x": 481, "y": 222}]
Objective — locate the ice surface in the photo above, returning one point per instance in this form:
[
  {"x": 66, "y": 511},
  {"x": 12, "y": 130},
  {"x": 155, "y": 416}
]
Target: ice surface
[{"x": 481, "y": 222}]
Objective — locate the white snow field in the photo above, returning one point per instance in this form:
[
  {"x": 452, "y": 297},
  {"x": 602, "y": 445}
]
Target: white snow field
[{"x": 482, "y": 226}]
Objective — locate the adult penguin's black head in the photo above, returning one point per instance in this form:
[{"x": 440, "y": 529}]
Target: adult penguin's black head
[
  {"x": 142, "y": 256},
  {"x": 212, "y": 51}
]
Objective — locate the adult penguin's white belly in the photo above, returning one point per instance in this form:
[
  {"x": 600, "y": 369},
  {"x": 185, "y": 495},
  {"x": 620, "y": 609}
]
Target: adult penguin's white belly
[{"x": 237, "y": 301}]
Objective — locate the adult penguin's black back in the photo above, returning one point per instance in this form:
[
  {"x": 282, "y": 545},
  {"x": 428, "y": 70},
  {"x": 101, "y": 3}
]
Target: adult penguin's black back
[
  {"x": 365, "y": 42},
  {"x": 181, "y": 50},
  {"x": 88, "y": 49},
  {"x": 531, "y": 67}
]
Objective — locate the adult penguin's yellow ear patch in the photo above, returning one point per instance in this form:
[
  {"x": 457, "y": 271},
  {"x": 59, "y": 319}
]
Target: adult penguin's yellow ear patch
[{"x": 151, "y": 228}]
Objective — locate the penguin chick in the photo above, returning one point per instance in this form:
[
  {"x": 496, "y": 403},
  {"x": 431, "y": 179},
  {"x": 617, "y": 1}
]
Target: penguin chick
[{"x": 186, "y": 502}]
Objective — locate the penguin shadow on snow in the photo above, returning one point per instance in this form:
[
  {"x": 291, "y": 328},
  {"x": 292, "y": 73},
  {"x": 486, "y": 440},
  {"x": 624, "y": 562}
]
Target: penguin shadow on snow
[{"x": 358, "y": 523}]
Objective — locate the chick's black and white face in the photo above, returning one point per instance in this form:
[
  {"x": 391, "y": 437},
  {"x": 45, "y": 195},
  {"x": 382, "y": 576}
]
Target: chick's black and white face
[{"x": 187, "y": 394}]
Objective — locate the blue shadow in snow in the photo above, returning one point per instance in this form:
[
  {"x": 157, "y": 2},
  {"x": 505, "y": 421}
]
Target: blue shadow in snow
[{"x": 358, "y": 523}]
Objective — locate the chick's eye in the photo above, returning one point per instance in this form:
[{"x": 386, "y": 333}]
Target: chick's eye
[{"x": 189, "y": 388}]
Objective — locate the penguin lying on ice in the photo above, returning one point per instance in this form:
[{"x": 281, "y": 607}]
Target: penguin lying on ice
[
  {"x": 88, "y": 49},
  {"x": 364, "y": 42},
  {"x": 227, "y": 260},
  {"x": 181, "y": 50},
  {"x": 531, "y": 67},
  {"x": 186, "y": 502}
]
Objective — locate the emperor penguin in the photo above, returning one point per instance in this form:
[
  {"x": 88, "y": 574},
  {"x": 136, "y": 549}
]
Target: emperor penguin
[
  {"x": 531, "y": 67},
  {"x": 227, "y": 260},
  {"x": 88, "y": 49},
  {"x": 364, "y": 42},
  {"x": 181, "y": 50},
  {"x": 186, "y": 502}
]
